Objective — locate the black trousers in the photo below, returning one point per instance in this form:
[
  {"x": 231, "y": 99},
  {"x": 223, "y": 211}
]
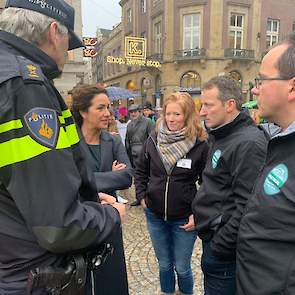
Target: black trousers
[{"x": 111, "y": 277}]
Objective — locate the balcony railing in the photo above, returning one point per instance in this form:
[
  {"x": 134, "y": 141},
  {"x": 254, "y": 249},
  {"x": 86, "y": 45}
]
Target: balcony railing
[
  {"x": 185, "y": 54},
  {"x": 238, "y": 53}
]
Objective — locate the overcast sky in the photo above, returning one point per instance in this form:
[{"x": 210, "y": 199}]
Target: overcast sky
[{"x": 99, "y": 13}]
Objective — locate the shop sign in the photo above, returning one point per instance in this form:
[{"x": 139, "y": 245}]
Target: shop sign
[
  {"x": 188, "y": 89},
  {"x": 135, "y": 54},
  {"x": 90, "y": 47}
]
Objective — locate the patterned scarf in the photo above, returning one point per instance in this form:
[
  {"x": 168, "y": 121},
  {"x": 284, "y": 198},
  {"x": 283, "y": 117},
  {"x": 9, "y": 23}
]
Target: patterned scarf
[{"x": 173, "y": 146}]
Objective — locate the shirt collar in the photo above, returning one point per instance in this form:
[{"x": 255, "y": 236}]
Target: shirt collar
[{"x": 21, "y": 47}]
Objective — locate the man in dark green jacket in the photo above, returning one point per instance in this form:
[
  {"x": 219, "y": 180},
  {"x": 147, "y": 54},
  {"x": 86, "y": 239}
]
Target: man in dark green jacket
[{"x": 266, "y": 244}]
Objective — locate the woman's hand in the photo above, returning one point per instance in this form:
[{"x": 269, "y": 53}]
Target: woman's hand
[
  {"x": 121, "y": 208},
  {"x": 190, "y": 225},
  {"x": 142, "y": 203},
  {"x": 118, "y": 166},
  {"x": 106, "y": 199}
]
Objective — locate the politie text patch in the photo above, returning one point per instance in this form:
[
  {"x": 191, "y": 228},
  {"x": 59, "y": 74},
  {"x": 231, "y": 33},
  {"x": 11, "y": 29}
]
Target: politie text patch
[{"x": 43, "y": 126}]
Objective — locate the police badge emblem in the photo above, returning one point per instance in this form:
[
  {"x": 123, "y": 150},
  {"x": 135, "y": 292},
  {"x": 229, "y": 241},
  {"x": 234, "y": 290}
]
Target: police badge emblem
[{"x": 42, "y": 124}]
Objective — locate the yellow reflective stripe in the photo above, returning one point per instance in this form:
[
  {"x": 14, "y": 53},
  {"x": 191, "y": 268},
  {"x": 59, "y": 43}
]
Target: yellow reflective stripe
[
  {"x": 66, "y": 114},
  {"x": 63, "y": 140},
  {"x": 61, "y": 119},
  {"x": 20, "y": 149},
  {"x": 72, "y": 134},
  {"x": 14, "y": 124},
  {"x": 24, "y": 148}
]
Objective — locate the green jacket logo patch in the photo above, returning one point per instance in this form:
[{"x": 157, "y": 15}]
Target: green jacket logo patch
[
  {"x": 215, "y": 158},
  {"x": 275, "y": 179}
]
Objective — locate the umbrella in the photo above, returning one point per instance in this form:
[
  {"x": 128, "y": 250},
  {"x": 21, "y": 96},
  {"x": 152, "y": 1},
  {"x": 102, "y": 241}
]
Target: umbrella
[
  {"x": 252, "y": 104},
  {"x": 116, "y": 93}
]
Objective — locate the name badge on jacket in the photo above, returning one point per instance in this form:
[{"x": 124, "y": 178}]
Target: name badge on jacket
[{"x": 184, "y": 163}]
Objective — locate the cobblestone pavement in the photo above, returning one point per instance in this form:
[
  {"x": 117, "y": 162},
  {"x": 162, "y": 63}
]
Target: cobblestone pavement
[{"x": 141, "y": 262}]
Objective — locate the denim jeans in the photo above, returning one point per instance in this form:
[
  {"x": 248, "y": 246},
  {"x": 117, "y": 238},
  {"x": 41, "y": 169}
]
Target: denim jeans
[
  {"x": 173, "y": 247},
  {"x": 219, "y": 274}
]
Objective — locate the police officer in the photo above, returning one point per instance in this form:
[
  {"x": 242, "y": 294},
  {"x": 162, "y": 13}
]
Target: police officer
[{"x": 48, "y": 199}]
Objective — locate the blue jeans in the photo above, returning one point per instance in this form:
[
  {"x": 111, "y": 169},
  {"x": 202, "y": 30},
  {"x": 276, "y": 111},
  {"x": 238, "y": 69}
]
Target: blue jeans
[
  {"x": 173, "y": 247},
  {"x": 219, "y": 274}
]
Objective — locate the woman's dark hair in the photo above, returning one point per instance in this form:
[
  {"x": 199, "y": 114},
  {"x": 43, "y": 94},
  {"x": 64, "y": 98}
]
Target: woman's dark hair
[{"x": 82, "y": 96}]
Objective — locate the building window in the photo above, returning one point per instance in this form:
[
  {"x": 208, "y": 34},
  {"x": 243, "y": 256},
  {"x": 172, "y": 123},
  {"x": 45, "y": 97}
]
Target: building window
[
  {"x": 191, "y": 80},
  {"x": 272, "y": 32},
  {"x": 143, "y": 6},
  {"x": 158, "y": 37},
  {"x": 236, "y": 29},
  {"x": 129, "y": 16},
  {"x": 191, "y": 31}
]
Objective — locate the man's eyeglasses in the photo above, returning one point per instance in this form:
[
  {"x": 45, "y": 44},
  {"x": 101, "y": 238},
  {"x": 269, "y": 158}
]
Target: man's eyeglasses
[{"x": 258, "y": 80}]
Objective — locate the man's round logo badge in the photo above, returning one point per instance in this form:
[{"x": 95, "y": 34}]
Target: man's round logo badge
[
  {"x": 215, "y": 158},
  {"x": 275, "y": 179}
]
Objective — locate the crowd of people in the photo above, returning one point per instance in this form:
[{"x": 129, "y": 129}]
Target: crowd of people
[{"x": 227, "y": 180}]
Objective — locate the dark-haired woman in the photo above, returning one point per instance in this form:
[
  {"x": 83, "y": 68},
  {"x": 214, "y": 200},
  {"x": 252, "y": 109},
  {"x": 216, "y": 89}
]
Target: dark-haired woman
[{"x": 112, "y": 170}]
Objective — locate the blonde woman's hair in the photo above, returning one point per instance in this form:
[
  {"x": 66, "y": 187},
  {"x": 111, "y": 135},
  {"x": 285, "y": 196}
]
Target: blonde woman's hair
[
  {"x": 113, "y": 126},
  {"x": 191, "y": 115}
]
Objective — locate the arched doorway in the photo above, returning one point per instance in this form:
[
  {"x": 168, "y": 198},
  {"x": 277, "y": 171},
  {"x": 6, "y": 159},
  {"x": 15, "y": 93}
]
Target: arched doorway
[
  {"x": 142, "y": 91},
  {"x": 236, "y": 76},
  {"x": 158, "y": 94},
  {"x": 191, "y": 79}
]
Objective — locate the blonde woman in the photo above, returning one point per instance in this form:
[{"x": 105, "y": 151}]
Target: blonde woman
[{"x": 171, "y": 162}]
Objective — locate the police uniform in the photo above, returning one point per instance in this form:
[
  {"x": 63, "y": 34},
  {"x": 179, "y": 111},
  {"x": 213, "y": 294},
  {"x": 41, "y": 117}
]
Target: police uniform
[{"x": 47, "y": 192}]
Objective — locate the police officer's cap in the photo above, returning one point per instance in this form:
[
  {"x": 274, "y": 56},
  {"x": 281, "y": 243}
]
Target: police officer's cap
[{"x": 56, "y": 9}]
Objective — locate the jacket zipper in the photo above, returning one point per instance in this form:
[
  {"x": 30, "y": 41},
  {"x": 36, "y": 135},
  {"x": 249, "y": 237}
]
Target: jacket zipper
[
  {"x": 166, "y": 197},
  {"x": 166, "y": 186}
]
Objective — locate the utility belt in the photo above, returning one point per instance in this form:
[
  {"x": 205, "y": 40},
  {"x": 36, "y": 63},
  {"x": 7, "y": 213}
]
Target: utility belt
[{"x": 71, "y": 278}]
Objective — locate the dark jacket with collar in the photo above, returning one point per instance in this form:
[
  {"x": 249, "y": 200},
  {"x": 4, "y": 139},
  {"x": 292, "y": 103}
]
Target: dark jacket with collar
[
  {"x": 48, "y": 195},
  {"x": 168, "y": 196},
  {"x": 237, "y": 151},
  {"x": 111, "y": 149},
  {"x": 266, "y": 242},
  {"x": 137, "y": 132}
]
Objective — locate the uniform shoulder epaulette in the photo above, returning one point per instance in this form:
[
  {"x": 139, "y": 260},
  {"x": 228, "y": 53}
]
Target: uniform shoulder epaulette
[
  {"x": 9, "y": 67},
  {"x": 17, "y": 66},
  {"x": 29, "y": 71}
]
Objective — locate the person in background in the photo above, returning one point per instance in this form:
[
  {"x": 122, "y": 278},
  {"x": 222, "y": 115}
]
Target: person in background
[
  {"x": 265, "y": 250},
  {"x": 237, "y": 151},
  {"x": 113, "y": 129},
  {"x": 148, "y": 111},
  {"x": 112, "y": 124},
  {"x": 112, "y": 171},
  {"x": 122, "y": 122},
  {"x": 138, "y": 130},
  {"x": 170, "y": 164},
  {"x": 48, "y": 197}
]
